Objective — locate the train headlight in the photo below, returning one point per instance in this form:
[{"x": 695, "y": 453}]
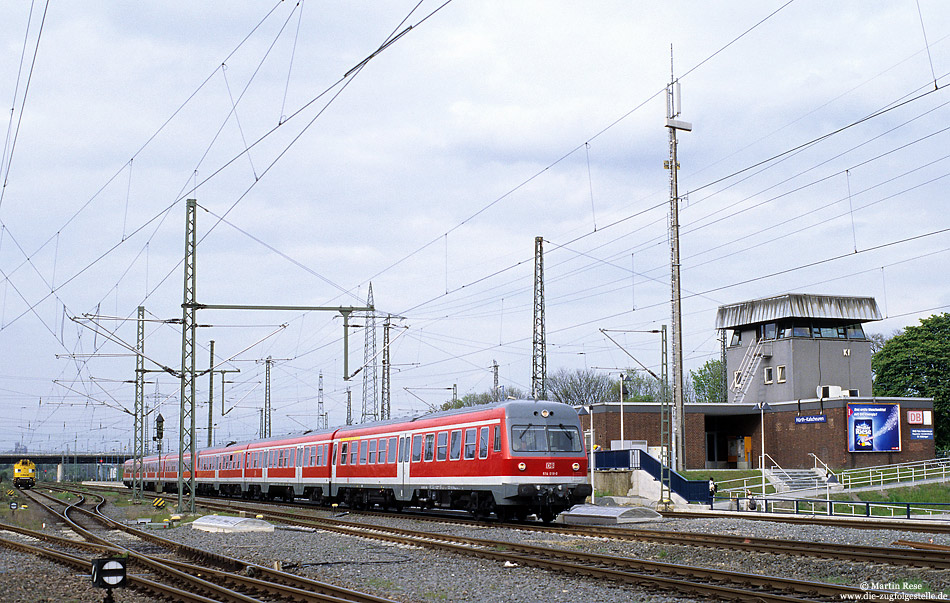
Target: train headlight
[
  {"x": 522, "y": 466},
  {"x": 576, "y": 466},
  {"x": 545, "y": 413}
]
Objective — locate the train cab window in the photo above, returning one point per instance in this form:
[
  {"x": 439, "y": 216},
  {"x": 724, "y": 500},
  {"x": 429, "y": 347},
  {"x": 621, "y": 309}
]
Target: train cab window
[
  {"x": 416, "y": 448},
  {"x": 343, "y": 453},
  {"x": 372, "y": 452},
  {"x": 528, "y": 438},
  {"x": 564, "y": 439},
  {"x": 430, "y": 446},
  {"x": 392, "y": 450},
  {"x": 483, "y": 443},
  {"x": 497, "y": 444},
  {"x": 363, "y": 452},
  {"x": 470, "y": 444},
  {"x": 381, "y": 457},
  {"x": 354, "y": 452},
  {"x": 455, "y": 450},
  {"x": 442, "y": 446}
]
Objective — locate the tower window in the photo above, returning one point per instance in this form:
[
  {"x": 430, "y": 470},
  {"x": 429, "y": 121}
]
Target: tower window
[{"x": 768, "y": 375}]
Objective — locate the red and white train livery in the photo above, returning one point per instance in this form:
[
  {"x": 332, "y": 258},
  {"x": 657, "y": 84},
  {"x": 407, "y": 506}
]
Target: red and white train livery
[{"x": 512, "y": 458}]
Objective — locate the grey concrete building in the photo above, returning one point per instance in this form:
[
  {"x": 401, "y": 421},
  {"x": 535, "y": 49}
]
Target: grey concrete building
[{"x": 791, "y": 346}]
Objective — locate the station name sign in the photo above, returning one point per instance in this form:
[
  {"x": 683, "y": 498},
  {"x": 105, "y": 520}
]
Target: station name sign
[{"x": 811, "y": 419}]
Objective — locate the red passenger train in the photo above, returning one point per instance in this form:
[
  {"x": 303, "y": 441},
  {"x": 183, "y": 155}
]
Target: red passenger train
[{"x": 511, "y": 458}]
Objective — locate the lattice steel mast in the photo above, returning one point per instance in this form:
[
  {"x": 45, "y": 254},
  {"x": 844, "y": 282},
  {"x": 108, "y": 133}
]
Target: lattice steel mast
[
  {"x": 186, "y": 415},
  {"x": 538, "y": 353},
  {"x": 321, "y": 413},
  {"x": 384, "y": 410},
  {"x": 370, "y": 385},
  {"x": 139, "y": 422}
]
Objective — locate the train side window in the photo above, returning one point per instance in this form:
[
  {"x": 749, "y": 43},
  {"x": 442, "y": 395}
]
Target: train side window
[
  {"x": 354, "y": 452},
  {"x": 469, "y": 444},
  {"x": 343, "y": 453},
  {"x": 333, "y": 458},
  {"x": 293, "y": 457},
  {"x": 372, "y": 452},
  {"x": 497, "y": 445},
  {"x": 483, "y": 443},
  {"x": 416, "y": 448},
  {"x": 430, "y": 446},
  {"x": 442, "y": 446},
  {"x": 363, "y": 445},
  {"x": 455, "y": 450},
  {"x": 392, "y": 450},
  {"x": 381, "y": 458}
]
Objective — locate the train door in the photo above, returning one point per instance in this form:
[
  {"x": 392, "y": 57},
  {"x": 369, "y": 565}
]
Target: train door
[
  {"x": 402, "y": 467},
  {"x": 330, "y": 489},
  {"x": 299, "y": 464}
]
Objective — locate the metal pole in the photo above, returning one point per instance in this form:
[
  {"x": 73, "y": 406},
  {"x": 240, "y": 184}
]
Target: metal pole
[
  {"x": 679, "y": 419},
  {"x": 621, "y": 412}
]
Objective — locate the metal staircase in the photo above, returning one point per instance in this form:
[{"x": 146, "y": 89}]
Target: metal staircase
[{"x": 748, "y": 366}]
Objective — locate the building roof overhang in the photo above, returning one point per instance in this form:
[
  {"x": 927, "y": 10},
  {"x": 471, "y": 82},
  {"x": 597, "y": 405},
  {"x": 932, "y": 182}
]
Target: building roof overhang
[{"x": 797, "y": 305}]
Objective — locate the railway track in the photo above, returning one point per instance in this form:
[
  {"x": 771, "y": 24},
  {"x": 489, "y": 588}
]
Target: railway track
[
  {"x": 904, "y": 555},
  {"x": 669, "y": 577},
  {"x": 219, "y": 578},
  {"x": 866, "y": 523}
]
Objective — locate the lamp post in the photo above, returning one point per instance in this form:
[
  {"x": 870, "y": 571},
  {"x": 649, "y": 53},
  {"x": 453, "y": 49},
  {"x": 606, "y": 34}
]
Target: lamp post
[
  {"x": 762, "y": 406},
  {"x": 621, "y": 412}
]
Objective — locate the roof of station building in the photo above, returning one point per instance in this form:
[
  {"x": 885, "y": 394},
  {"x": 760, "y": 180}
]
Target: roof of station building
[{"x": 797, "y": 305}]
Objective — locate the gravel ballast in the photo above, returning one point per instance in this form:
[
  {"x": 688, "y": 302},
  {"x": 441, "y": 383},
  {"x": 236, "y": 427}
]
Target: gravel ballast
[{"x": 416, "y": 575}]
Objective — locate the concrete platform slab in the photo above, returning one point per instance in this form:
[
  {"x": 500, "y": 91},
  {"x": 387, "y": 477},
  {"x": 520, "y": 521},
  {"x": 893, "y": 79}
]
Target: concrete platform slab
[
  {"x": 221, "y": 523},
  {"x": 598, "y": 515}
]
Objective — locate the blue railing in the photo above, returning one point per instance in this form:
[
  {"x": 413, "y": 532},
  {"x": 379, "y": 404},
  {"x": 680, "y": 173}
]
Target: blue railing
[{"x": 692, "y": 490}]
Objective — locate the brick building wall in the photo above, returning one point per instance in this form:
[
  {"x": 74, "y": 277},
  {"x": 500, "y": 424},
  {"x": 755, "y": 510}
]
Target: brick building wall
[{"x": 788, "y": 443}]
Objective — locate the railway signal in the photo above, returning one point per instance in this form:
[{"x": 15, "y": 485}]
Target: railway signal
[{"x": 108, "y": 573}]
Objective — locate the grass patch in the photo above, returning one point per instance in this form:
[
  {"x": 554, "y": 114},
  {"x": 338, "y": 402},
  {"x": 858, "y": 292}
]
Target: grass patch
[
  {"x": 731, "y": 478},
  {"x": 382, "y": 584},
  {"x": 915, "y": 495}
]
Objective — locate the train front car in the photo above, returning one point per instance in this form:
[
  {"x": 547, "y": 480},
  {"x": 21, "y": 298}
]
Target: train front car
[
  {"x": 24, "y": 474},
  {"x": 545, "y": 464}
]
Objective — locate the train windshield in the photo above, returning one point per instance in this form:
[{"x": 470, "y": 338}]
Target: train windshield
[{"x": 545, "y": 438}]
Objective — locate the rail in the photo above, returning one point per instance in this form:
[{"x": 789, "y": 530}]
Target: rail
[
  {"x": 892, "y": 474},
  {"x": 818, "y": 461},
  {"x": 843, "y": 508}
]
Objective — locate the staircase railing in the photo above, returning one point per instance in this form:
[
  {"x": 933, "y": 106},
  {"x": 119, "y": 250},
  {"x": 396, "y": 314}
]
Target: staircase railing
[{"x": 750, "y": 362}]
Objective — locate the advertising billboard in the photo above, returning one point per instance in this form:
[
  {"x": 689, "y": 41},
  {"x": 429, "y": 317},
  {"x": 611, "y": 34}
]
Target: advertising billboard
[{"x": 874, "y": 427}]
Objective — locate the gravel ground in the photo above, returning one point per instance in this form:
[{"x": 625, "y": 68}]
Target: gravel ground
[{"x": 415, "y": 575}]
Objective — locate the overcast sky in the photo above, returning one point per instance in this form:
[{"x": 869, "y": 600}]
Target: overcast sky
[{"x": 817, "y": 163}]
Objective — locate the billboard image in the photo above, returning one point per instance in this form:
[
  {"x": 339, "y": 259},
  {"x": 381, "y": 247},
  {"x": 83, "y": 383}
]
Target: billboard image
[{"x": 874, "y": 427}]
